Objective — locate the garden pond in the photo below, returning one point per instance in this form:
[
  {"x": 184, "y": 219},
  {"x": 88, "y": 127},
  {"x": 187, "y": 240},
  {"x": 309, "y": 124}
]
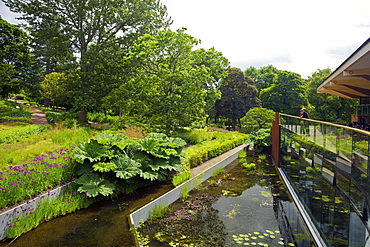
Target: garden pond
[
  {"x": 104, "y": 223},
  {"x": 240, "y": 206},
  {"x": 244, "y": 205}
]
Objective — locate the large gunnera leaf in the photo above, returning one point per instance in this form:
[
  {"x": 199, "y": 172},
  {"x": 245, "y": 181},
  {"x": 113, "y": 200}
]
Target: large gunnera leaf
[
  {"x": 110, "y": 140},
  {"x": 149, "y": 175},
  {"x": 104, "y": 166},
  {"x": 149, "y": 145},
  {"x": 93, "y": 151},
  {"x": 94, "y": 185},
  {"x": 126, "y": 167}
]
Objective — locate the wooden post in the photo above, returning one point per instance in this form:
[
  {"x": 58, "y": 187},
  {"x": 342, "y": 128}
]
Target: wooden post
[{"x": 275, "y": 135}]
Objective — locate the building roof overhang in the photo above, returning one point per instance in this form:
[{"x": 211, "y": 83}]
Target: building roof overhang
[{"x": 352, "y": 78}]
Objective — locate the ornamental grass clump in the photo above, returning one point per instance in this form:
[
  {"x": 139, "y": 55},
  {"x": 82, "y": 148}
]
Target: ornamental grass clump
[{"x": 22, "y": 182}]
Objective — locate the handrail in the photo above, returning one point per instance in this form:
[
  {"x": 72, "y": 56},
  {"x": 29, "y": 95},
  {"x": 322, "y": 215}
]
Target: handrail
[{"x": 364, "y": 132}]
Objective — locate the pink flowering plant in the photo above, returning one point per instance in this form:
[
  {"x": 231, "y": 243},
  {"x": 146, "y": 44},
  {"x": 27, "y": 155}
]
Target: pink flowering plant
[{"x": 22, "y": 182}]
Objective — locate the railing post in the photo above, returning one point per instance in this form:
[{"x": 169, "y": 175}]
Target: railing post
[{"x": 275, "y": 135}]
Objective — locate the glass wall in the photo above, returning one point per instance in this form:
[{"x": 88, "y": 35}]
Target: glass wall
[{"x": 327, "y": 165}]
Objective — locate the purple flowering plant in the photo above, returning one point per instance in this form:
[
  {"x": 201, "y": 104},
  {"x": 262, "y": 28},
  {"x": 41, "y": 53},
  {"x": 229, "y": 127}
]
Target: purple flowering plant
[{"x": 25, "y": 181}]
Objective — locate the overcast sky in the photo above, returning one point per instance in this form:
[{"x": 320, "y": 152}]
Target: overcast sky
[{"x": 294, "y": 35}]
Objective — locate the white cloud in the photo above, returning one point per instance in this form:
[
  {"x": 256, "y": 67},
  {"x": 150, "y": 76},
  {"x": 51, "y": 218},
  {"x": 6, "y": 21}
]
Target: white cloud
[
  {"x": 299, "y": 36},
  {"x": 294, "y": 35}
]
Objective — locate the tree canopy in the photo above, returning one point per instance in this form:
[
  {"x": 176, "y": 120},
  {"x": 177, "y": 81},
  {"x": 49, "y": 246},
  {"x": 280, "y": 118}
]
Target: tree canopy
[
  {"x": 92, "y": 28},
  {"x": 238, "y": 95},
  {"x": 167, "y": 89},
  {"x": 16, "y": 59},
  {"x": 327, "y": 107},
  {"x": 281, "y": 91}
]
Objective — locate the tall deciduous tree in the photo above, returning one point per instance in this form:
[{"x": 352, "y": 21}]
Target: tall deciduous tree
[
  {"x": 93, "y": 26},
  {"x": 15, "y": 58},
  {"x": 327, "y": 107},
  {"x": 263, "y": 77},
  {"x": 167, "y": 89},
  {"x": 216, "y": 64},
  {"x": 238, "y": 95},
  {"x": 285, "y": 93}
]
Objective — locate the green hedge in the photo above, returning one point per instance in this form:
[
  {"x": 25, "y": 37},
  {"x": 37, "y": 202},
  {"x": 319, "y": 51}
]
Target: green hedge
[{"x": 196, "y": 155}]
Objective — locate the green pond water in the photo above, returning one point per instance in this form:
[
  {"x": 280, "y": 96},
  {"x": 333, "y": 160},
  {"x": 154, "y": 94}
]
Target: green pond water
[
  {"x": 239, "y": 207},
  {"x": 102, "y": 224}
]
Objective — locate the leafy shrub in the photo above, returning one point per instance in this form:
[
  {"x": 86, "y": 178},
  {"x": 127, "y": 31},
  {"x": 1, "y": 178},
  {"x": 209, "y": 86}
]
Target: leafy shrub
[
  {"x": 112, "y": 163},
  {"x": 257, "y": 118},
  {"x": 195, "y": 136},
  {"x": 260, "y": 139},
  {"x": 196, "y": 155}
]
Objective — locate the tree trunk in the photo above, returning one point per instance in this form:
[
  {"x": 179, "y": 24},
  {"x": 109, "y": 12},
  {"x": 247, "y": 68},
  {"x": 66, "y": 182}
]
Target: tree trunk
[
  {"x": 233, "y": 123},
  {"x": 46, "y": 102},
  {"x": 82, "y": 117}
]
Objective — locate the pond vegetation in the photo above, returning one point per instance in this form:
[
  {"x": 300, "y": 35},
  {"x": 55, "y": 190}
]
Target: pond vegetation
[{"x": 238, "y": 207}]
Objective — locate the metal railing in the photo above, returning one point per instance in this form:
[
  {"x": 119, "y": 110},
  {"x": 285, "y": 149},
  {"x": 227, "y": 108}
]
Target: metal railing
[{"x": 327, "y": 164}]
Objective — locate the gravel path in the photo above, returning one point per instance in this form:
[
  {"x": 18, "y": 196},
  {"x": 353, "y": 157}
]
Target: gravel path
[{"x": 38, "y": 117}]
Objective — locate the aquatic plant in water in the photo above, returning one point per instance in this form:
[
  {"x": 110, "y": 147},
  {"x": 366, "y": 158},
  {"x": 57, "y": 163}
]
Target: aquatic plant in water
[
  {"x": 195, "y": 224},
  {"x": 267, "y": 238}
]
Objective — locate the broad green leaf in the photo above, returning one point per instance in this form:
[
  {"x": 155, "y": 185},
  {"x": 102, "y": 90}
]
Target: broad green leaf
[
  {"x": 81, "y": 169},
  {"x": 94, "y": 185},
  {"x": 89, "y": 179},
  {"x": 149, "y": 175},
  {"x": 149, "y": 145},
  {"x": 106, "y": 188},
  {"x": 91, "y": 190},
  {"x": 176, "y": 143},
  {"x": 126, "y": 167},
  {"x": 93, "y": 151},
  {"x": 170, "y": 151},
  {"x": 110, "y": 140},
  {"x": 104, "y": 166},
  {"x": 159, "y": 164}
]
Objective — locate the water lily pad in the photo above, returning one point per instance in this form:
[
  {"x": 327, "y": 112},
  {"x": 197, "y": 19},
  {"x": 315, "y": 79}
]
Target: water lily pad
[
  {"x": 247, "y": 244},
  {"x": 257, "y": 233},
  {"x": 239, "y": 242},
  {"x": 272, "y": 236},
  {"x": 269, "y": 231},
  {"x": 291, "y": 244},
  {"x": 246, "y": 239},
  {"x": 234, "y": 236},
  {"x": 266, "y": 234},
  {"x": 261, "y": 236},
  {"x": 281, "y": 242},
  {"x": 253, "y": 237},
  {"x": 277, "y": 231},
  {"x": 253, "y": 243}
]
